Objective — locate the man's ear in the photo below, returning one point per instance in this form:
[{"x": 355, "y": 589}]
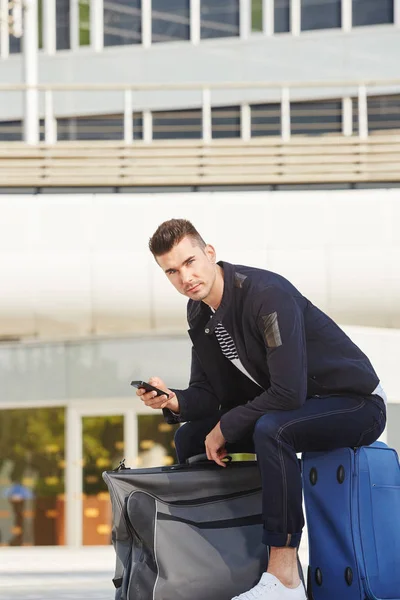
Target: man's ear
[{"x": 210, "y": 253}]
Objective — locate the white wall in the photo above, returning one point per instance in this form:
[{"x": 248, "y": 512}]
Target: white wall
[{"x": 73, "y": 265}]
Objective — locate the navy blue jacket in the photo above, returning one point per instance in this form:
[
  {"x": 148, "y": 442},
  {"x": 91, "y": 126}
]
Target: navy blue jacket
[{"x": 291, "y": 348}]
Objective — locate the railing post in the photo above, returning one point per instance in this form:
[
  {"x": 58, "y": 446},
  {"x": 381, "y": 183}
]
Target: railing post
[
  {"x": 128, "y": 117},
  {"x": 50, "y": 123},
  {"x": 347, "y": 15},
  {"x": 245, "y": 122},
  {"x": 295, "y": 17},
  {"x": 49, "y": 26},
  {"x": 206, "y": 115},
  {"x": 74, "y": 24},
  {"x": 4, "y": 37},
  {"x": 347, "y": 118},
  {"x": 30, "y": 62},
  {"x": 362, "y": 112},
  {"x": 195, "y": 28},
  {"x": 285, "y": 114},
  {"x": 244, "y": 18},
  {"x": 146, "y": 23},
  {"x": 268, "y": 17},
  {"x": 97, "y": 25},
  {"x": 147, "y": 126}
]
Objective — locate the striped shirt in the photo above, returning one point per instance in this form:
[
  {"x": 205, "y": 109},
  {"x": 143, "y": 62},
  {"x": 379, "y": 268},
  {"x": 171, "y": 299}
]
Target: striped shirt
[{"x": 228, "y": 349}]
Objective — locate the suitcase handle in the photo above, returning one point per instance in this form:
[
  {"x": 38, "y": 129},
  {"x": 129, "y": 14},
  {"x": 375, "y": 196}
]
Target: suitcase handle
[{"x": 199, "y": 458}]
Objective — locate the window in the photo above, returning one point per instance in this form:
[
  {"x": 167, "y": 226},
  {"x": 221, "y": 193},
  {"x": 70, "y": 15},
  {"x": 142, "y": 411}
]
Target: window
[
  {"x": 177, "y": 124},
  {"x": 372, "y": 12},
  {"x": 32, "y": 467},
  {"x": 10, "y": 131},
  {"x": 383, "y": 112},
  {"x": 320, "y": 14},
  {"x": 84, "y": 22},
  {"x": 225, "y": 122},
  {"x": 282, "y": 16},
  {"x": 63, "y": 24},
  {"x": 316, "y": 117},
  {"x": 265, "y": 119},
  {"x": 256, "y": 15},
  {"x": 170, "y": 21},
  {"x": 122, "y": 22},
  {"x": 99, "y": 127},
  {"x": 219, "y": 19}
]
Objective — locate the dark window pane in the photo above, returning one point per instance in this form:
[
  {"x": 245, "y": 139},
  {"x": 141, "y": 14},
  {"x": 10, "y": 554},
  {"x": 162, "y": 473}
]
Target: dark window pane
[
  {"x": 265, "y": 119},
  {"x": 282, "y": 16},
  {"x": 315, "y": 118},
  {"x": 41, "y": 130},
  {"x": 372, "y": 12},
  {"x": 355, "y": 115},
  {"x": 225, "y": 122},
  {"x": 137, "y": 126},
  {"x": 170, "y": 21},
  {"x": 383, "y": 112},
  {"x": 100, "y": 127},
  {"x": 177, "y": 124},
  {"x": 256, "y": 15},
  {"x": 122, "y": 22},
  {"x": 15, "y": 19},
  {"x": 10, "y": 131},
  {"x": 62, "y": 24},
  {"x": 219, "y": 19},
  {"x": 320, "y": 14}
]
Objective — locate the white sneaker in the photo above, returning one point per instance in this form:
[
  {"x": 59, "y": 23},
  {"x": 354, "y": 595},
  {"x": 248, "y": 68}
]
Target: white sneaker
[{"x": 270, "y": 588}]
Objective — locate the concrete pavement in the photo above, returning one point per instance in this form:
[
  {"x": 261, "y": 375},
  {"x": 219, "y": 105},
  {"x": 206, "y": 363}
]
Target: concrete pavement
[{"x": 61, "y": 573}]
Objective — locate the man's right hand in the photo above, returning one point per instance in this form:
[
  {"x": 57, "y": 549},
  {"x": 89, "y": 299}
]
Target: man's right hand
[{"x": 154, "y": 401}]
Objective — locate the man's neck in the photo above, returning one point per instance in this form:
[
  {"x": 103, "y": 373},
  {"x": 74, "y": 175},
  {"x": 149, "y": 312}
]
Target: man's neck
[{"x": 215, "y": 297}]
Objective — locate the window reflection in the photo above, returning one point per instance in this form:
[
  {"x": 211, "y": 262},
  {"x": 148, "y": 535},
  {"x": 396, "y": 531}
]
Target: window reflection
[
  {"x": 103, "y": 449},
  {"x": 372, "y": 12},
  {"x": 122, "y": 22},
  {"x": 320, "y": 14},
  {"x": 32, "y": 464},
  {"x": 156, "y": 441},
  {"x": 63, "y": 24},
  {"x": 219, "y": 19},
  {"x": 170, "y": 21},
  {"x": 282, "y": 16}
]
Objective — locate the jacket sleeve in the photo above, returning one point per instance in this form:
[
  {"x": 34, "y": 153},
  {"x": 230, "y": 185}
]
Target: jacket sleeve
[
  {"x": 198, "y": 401},
  {"x": 279, "y": 320}
]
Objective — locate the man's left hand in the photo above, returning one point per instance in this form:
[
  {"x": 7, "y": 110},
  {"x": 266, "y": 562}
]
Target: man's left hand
[{"x": 215, "y": 446}]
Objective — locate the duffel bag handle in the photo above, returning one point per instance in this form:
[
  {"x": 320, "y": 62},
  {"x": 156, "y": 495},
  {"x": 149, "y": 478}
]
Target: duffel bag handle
[{"x": 198, "y": 458}]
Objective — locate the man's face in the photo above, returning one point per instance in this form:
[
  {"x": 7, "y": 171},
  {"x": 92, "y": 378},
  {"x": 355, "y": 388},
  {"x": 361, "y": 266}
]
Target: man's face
[{"x": 190, "y": 269}]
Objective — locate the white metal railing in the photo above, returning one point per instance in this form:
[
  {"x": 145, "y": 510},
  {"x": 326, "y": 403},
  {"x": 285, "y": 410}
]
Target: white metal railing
[{"x": 353, "y": 97}]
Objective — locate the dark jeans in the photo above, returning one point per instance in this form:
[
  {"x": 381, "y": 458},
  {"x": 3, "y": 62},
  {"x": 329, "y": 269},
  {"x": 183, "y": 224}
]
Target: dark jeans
[{"x": 322, "y": 423}]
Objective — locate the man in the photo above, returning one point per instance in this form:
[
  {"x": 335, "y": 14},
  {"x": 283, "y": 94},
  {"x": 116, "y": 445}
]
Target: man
[{"x": 270, "y": 372}]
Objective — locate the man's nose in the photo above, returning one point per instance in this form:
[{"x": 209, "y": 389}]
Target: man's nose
[{"x": 187, "y": 276}]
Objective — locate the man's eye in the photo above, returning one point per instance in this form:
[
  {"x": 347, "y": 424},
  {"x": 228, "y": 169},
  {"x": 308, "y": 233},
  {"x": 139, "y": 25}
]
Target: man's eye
[{"x": 190, "y": 261}]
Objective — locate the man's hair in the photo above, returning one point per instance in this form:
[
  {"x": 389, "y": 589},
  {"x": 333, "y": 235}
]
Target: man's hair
[{"x": 170, "y": 233}]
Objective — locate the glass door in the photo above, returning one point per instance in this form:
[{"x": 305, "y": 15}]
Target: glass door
[{"x": 102, "y": 450}]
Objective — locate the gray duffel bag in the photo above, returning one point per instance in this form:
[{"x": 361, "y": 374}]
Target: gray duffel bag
[{"x": 187, "y": 532}]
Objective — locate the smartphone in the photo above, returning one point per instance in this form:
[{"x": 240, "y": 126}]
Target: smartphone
[{"x": 148, "y": 387}]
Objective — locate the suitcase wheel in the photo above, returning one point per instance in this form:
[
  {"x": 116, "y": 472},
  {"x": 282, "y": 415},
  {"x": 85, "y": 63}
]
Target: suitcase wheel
[
  {"x": 318, "y": 576},
  {"x": 313, "y": 476},
  {"x": 341, "y": 474},
  {"x": 348, "y": 575}
]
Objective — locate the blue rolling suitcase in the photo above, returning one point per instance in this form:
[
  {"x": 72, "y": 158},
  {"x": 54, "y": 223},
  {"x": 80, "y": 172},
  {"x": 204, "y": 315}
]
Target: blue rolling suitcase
[{"x": 352, "y": 501}]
